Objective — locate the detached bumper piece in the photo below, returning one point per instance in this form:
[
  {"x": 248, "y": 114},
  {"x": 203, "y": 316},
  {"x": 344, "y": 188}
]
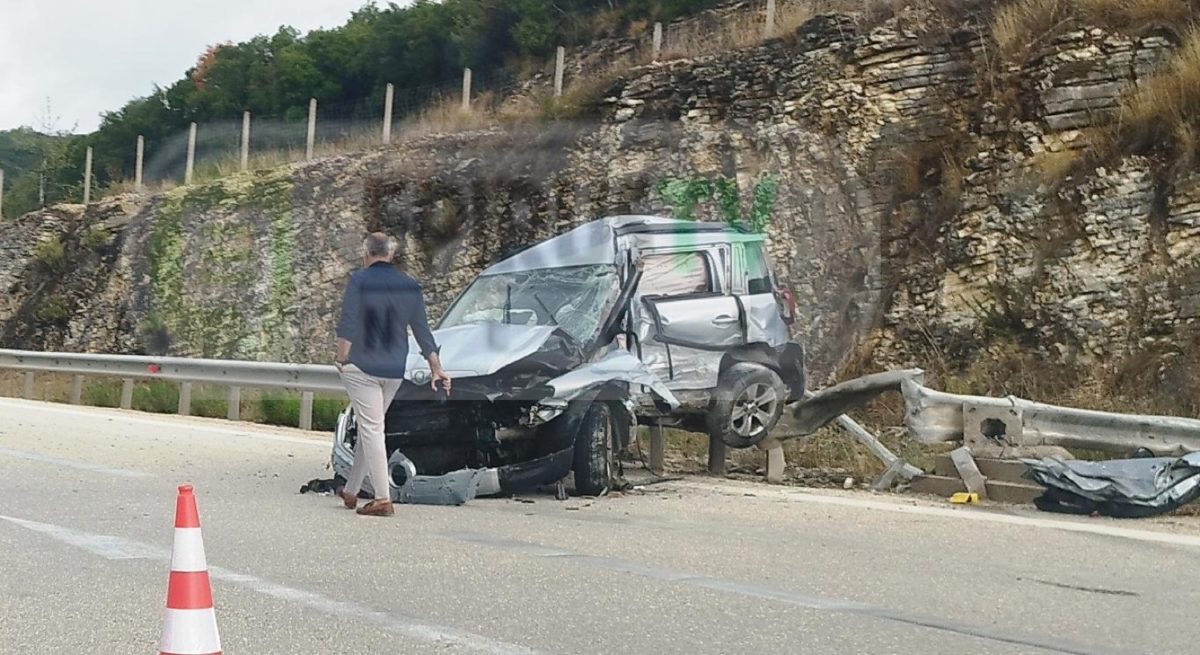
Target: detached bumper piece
[
  {"x": 459, "y": 487},
  {"x": 1124, "y": 488}
]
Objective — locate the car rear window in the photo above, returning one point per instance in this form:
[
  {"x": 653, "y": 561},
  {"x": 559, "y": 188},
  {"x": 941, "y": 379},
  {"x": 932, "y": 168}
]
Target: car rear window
[
  {"x": 675, "y": 274},
  {"x": 758, "y": 270}
]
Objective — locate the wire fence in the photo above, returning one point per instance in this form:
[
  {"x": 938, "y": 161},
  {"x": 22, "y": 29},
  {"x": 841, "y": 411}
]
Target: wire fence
[{"x": 254, "y": 141}]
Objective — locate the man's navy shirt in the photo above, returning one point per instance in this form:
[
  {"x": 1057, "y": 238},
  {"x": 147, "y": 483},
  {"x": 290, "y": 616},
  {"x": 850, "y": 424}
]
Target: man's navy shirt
[{"x": 379, "y": 305}]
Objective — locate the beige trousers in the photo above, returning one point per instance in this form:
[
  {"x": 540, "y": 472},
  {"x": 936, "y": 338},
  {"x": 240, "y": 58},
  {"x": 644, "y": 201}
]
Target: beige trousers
[{"x": 370, "y": 396}]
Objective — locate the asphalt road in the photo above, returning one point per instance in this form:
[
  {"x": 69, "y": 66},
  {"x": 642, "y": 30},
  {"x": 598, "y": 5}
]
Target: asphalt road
[{"x": 696, "y": 566}]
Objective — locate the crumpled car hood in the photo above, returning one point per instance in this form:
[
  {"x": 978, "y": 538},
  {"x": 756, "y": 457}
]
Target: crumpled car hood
[{"x": 478, "y": 348}]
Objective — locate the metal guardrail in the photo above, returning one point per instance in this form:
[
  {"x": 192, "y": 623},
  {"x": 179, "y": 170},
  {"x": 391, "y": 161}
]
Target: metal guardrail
[{"x": 306, "y": 378}]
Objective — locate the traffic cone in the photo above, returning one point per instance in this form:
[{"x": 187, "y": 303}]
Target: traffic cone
[{"x": 190, "y": 626}]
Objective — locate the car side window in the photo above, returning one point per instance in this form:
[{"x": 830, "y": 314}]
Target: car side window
[
  {"x": 758, "y": 270},
  {"x": 676, "y": 274}
]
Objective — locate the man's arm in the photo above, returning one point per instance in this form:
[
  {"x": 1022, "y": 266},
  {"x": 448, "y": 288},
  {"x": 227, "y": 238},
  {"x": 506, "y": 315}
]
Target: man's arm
[
  {"x": 429, "y": 347},
  {"x": 348, "y": 324}
]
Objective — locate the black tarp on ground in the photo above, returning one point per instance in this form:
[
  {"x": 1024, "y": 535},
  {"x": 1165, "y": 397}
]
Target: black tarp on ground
[{"x": 1127, "y": 488}]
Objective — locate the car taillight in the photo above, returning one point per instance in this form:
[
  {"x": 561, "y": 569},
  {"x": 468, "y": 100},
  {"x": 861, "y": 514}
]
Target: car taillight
[{"x": 787, "y": 305}]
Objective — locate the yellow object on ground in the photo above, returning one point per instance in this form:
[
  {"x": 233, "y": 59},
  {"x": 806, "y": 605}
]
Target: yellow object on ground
[{"x": 964, "y": 498}]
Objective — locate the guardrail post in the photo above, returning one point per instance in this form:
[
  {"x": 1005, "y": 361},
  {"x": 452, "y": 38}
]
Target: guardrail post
[
  {"x": 235, "y": 404},
  {"x": 27, "y": 391},
  {"x": 656, "y": 447},
  {"x": 716, "y": 456},
  {"x": 306, "y": 410},
  {"x": 776, "y": 464},
  {"x": 76, "y": 389},
  {"x": 127, "y": 393},
  {"x": 185, "y": 398}
]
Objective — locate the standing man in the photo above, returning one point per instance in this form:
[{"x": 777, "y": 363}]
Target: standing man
[{"x": 380, "y": 304}]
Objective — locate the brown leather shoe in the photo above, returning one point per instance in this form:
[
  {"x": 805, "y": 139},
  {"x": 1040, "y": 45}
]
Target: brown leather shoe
[
  {"x": 349, "y": 500},
  {"x": 377, "y": 508}
]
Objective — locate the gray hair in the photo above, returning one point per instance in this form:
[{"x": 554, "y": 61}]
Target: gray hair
[{"x": 378, "y": 244}]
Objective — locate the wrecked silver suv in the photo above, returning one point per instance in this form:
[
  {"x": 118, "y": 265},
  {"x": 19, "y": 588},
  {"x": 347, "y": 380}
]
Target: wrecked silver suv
[{"x": 558, "y": 351}]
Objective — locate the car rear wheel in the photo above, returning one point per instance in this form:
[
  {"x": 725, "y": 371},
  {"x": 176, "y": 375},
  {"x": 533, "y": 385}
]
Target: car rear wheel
[
  {"x": 594, "y": 449},
  {"x": 747, "y": 404}
]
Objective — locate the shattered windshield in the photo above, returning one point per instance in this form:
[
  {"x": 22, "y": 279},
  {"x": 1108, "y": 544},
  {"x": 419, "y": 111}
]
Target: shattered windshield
[{"x": 575, "y": 299}]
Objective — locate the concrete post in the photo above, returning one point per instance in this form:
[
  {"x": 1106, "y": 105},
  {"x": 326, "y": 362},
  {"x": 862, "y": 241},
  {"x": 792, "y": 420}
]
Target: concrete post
[
  {"x": 245, "y": 140},
  {"x": 769, "y": 26},
  {"x": 775, "y": 460},
  {"x": 306, "y": 410},
  {"x": 87, "y": 176},
  {"x": 235, "y": 404},
  {"x": 716, "y": 456},
  {"x": 185, "y": 398},
  {"x": 657, "y": 447},
  {"x": 1, "y": 193},
  {"x": 137, "y": 165},
  {"x": 191, "y": 155},
  {"x": 27, "y": 389},
  {"x": 466, "y": 90},
  {"x": 312, "y": 129},
  {"x": 387, "y": 114},
  {"x": 127, "y": 393},
  {"x": 76, "y": 389},
  {"x": 658, "y": 41},
  {"x": 560, "y": 63}
]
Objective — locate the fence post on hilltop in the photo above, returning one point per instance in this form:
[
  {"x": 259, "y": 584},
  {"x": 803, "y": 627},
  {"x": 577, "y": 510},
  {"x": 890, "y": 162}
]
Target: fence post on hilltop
[
  {"x": 127, "y": 393},
  {"x": 234, "y": 412},
  {"x": 769, "y": 26},
  {"x": 191, "y": 155},
  {"x": 312, "y": 129},
  {"x": 658, "y": 38},
  {"x": 185, "y": 399},
  {"x": 87, "y": 176},
  {"x": 387, "y": 113},
  {"x": 137, "y": 166},
  {"x": 466, "y": 90},
  {"x": 1, "y": 193},
  {"x": 76, "y": 389},
  {"x": 245, "y": 140},
  {"x": 306, "y": 410},
  {"x": 560, "y": 62}
]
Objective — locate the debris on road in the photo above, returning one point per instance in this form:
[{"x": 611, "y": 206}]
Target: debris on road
[{"x": 1126, "y": 488}]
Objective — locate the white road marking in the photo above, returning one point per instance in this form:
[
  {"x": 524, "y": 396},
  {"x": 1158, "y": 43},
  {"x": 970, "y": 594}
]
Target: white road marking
[
  {"x": 803, "y": 601},
  {"x": 965, "y": 514},
  {"x": 70, "y": 463},
  {"x": 117, "y": 548},
  {"x": 176, "y": 423}
]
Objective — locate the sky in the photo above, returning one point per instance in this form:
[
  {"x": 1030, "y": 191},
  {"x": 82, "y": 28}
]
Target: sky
[{"x": 92, "y": 56}]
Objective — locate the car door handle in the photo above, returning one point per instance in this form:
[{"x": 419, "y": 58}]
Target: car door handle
[{"x": 724, "y": 319}]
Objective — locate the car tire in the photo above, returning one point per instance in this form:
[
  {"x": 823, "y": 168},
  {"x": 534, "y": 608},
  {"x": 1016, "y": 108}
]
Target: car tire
[
  {"x": 594, "y": 451},
  {"x": 747, "y": 403}
]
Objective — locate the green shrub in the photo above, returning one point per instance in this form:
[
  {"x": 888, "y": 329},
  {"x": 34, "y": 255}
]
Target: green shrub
[
  {"x": 325, "y": 412},
  {"x": 50, "y": 254},
  {"x": 157, "y": 396},
  {"x": 55, "y": 309},
  {"x": 96, "y": 238},
  {"x": 102, "y": 393},
  {"x": 280, "y": 408}
]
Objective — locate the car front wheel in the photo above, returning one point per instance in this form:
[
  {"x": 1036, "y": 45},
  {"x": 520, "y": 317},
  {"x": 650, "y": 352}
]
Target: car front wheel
[{"x": 594, "y": 451}]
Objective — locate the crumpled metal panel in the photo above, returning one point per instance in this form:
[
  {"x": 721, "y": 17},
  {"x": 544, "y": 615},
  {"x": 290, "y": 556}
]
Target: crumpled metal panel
[
  {"x": 590, "y": 243},
  {"x": 617, "y": 365},
  {"x": 821, "y": 407},
  {"x": 763, "y": 322},
  {"x": 936, "y": 416},
  {"x": 1126, "y": 487},
  {"x": 479, "y": 349}
]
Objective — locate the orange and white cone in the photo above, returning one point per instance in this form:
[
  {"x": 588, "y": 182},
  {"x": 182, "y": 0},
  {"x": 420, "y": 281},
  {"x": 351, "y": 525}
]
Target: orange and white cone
[{"x": 190, "y": 626}]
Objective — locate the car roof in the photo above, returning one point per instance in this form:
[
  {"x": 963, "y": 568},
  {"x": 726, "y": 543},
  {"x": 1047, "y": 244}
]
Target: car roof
[{"x": 595, "y": 242}]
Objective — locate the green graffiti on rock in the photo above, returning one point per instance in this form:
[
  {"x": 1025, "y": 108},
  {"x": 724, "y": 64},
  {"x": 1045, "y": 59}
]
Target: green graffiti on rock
[{"x": 685, "y": 195}]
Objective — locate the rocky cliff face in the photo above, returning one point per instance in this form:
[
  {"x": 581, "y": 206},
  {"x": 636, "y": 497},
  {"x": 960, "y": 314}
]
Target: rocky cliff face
[{"x": 912, "y": 185}]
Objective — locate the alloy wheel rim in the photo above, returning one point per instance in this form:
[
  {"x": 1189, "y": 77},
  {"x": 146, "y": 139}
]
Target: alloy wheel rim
[{"x": 753, "y": 409}]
